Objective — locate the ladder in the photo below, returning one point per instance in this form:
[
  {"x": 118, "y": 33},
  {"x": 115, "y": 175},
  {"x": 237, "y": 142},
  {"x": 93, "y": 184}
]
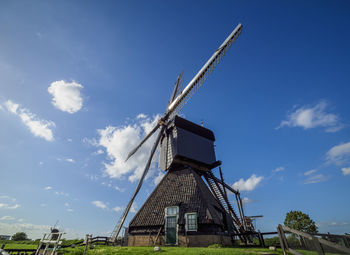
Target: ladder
[
  {"x": 218, "y": 189},
  {"x": 52, "y": 239}
]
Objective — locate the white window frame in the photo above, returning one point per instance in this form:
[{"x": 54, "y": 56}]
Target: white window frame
[{"x": 186, "y": 220}]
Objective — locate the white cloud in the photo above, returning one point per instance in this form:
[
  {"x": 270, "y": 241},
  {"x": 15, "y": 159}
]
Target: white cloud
[
  {"x": 248, "y": 185},
  {"x": 158, "y": 178},
  {"x": 33, "y": 231},
  {"x": 47, "y": 188},
  {"x": 118, "y": 188},
  {"x": 310, "y": 172},
  {"x": 316, "y": 179},
  {"x": 133, "y": 208},
  {"x": 70, "y": 160},
  {"x": 38, "y": 127},
  {"x": 20, "y": 220},
  {"x": 66, "y": 96},
  {"x": 141, "y": 116},
  {"x": 99, "y": 204},
  {"x": 246, "y": 200},
  {"x": 98, "y": 152},
  {"x": 9, "y": 206},
  {"x": 60, "y": 193},
  {"x": 311, "y": 117},
  {"x": 92, "y": 177},
  {"x": 346, "y": 170},
  {"x": 66, "y": 204},
  {"x": 339, "y": 154},
  {"x": 278, "y": 169},
  {"x": 70, "y": 210},
  {"x": 119, "y": 141},
  {"x": 117, "y": 209},
  {"x": 7, "y": 202},
  {"x": 7, "y": 218}
]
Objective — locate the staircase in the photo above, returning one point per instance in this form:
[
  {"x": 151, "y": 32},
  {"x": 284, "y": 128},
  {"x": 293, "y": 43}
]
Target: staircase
[{"x": 220, "y": 193}]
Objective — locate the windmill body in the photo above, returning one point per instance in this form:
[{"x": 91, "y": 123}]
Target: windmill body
[{"x": 182, "y": 210}]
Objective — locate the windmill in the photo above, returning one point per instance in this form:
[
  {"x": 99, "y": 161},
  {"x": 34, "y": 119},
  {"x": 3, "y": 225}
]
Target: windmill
[{"x": 179, "y": 141}]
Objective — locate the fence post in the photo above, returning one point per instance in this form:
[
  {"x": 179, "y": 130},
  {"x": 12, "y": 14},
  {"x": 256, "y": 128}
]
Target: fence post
[
  {"x": 280, "y": 233},
  {"x": 317, "y": 245}
]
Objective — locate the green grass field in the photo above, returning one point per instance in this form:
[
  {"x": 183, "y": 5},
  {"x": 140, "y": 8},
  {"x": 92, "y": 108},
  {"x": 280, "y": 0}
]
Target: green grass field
[{"x": 105, "y": 250}]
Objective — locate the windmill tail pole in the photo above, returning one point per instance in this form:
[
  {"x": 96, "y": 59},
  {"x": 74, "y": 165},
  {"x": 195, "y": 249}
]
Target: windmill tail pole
[
  {"x": 120, "y": 224},
  {"x": 206, "y": 69}
]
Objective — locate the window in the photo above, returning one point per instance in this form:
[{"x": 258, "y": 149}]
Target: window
[
  {"x": 173, "y": 210},
  {"x": 191, "y": 221}
]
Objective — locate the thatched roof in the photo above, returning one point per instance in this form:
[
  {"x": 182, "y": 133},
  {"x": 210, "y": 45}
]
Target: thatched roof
[{"x": 185, "y": 188}]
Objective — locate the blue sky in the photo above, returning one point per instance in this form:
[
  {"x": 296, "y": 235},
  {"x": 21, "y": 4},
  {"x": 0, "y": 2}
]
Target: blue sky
[{"x": 82, "y": 81}]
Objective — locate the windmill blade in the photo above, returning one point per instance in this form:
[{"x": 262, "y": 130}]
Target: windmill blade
[
  {"x": 177, "y": 87},
  {"x": 143, "y": 141},
  {"x": 120, "y": 223},
  {"x": 203, "y": 74}
]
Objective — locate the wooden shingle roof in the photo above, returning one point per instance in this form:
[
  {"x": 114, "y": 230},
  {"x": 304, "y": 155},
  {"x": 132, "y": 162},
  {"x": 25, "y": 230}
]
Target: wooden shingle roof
[{"x": 184, "y": 188}]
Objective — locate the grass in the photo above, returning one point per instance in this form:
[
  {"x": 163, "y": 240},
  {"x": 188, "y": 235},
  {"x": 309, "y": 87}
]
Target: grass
[{"x": 108, "y": 250}]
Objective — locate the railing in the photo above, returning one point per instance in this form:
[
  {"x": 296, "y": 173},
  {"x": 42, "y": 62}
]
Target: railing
[{"x": 298, "y": 242}]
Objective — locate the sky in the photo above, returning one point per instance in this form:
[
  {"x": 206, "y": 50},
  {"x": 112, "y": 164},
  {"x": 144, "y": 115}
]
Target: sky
[{"x": 81, "y": 82}]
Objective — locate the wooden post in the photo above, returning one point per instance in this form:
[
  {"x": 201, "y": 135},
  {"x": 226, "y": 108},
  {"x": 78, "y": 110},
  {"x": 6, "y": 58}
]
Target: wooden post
[
  {"x": 317, "y": 245},
  {"x": 279, "y": 231},
  {"x": 86, "y": 243}
]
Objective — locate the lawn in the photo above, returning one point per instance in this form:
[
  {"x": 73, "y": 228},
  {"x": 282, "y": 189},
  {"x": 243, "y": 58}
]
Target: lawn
[{"x": 107, "y": 250}]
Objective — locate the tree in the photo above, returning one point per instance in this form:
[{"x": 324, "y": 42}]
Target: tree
[
  {"x": 300, "y": 221},
  {"x": 19, "y": 236}
]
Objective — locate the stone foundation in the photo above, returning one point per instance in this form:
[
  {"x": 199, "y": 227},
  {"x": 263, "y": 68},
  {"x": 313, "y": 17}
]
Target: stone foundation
[{"x": 190, "y": 240}]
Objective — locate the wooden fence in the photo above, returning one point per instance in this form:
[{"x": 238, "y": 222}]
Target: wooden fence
[{"x": 307, "y": 241}]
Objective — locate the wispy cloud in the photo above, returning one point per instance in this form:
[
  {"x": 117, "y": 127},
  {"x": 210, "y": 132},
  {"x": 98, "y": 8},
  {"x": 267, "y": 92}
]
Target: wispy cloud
[
  {"x": 278, "y": 169},
  {"x": 133, "y": 208},
  {"x": 9, "y": 206},
  {"x": 119, "y": 141},
  {"x": 246, "y": 200},
  {"x": 38, "y": 127},
  {"x": 117, "y": 209},
  {"x": 66, "y": 96},
  {"x": 7, "y": 202},
  {"x": 316, "y": 179},
  {"x": 99, "y": 204},
  {"x": 311, "y": 117},
  {"x": 339, "y": 154},
  {"x": 33, "y": 231},
  {"x": 310, "y": 172},
  {"x": 47, "y": 188},
  {"x": 7, "y": 218},
  {"x": 158, "y": 178},
  {"x": 346, "y": 170},
  {"x": 70, "y": 160},
  {"x": 248, "y": 185},
  {"x": 60, "y": 193}
]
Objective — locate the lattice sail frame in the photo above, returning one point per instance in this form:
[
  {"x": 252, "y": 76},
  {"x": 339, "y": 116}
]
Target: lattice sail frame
[{"x": 182, "y": 99}]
